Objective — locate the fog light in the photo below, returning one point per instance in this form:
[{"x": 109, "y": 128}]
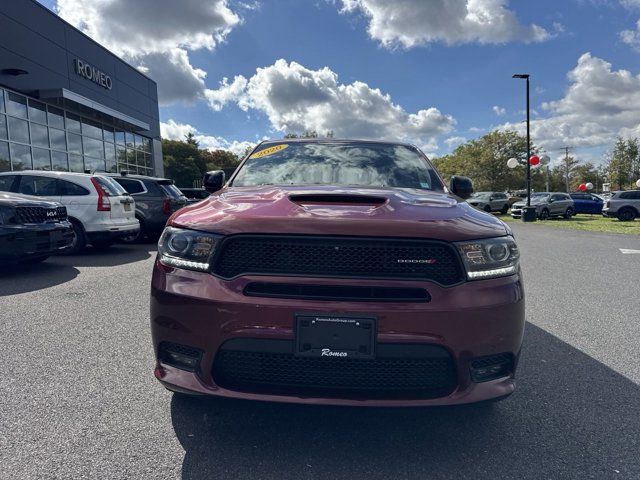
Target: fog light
[
  {"x": 181, "y": 356},
  {"x": 491, "y": 367}
]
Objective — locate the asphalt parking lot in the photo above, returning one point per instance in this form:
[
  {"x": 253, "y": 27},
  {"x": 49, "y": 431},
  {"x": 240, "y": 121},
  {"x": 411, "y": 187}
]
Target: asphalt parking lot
[{"x": 79, "y": 400}]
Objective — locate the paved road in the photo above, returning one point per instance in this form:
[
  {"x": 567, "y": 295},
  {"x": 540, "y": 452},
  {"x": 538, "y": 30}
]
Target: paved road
[{"x": 78, "y": 400}]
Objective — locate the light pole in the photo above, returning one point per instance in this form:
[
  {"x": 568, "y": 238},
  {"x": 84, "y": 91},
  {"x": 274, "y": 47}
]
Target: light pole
[{"x": 526, "y": 77}]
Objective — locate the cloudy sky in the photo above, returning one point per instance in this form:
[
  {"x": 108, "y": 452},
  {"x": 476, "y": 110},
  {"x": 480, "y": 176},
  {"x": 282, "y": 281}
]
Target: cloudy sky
[{"x": 432, "y": 72}]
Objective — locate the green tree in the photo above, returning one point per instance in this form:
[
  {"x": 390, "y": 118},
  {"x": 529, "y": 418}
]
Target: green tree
[
  {"x": 623, "y": 164},
  {"x": 183, "y": 171}
]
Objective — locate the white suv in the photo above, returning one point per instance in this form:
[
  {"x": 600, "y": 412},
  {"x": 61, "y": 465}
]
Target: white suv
[{"x": 99, "y": 209}]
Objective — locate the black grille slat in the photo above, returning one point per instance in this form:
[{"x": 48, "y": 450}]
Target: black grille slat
[
  {"x": 338, "y": 256},
  {"x": 283, "y": 373},
  {"x": 40, "y": 214}
]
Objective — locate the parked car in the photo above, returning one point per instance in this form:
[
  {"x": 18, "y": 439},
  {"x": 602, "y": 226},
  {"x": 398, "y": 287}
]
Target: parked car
[
  {"x": 194, "y": 195},
  {"x": 31, "y": 229},
  {"x": 624, "y": 206},
  {"x": 337, "y": 272},
  {"x": 156, "y": 200},
  {"x": 547, "y": 204},
  {"x": 490, "y": 201},
  {"x": 587, "y": 203},
  {"x": 99, "y": 210}
]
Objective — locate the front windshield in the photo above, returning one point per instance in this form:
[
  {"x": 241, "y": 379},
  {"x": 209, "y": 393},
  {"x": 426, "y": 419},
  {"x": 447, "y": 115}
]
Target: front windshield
[
  {"x": 481, "y": 194},
  {"x": 348, "y": 163}
]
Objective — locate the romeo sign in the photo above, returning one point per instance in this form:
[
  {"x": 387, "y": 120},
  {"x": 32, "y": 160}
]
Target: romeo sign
[{"x": 92, "y": 73}]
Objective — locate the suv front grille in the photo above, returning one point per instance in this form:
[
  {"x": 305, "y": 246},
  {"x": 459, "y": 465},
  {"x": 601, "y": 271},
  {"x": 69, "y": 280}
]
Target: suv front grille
[
  {"x": 40, "y": 214},
  {"x": 354, "y": 257},
  {"x": 398, "y": 371}
]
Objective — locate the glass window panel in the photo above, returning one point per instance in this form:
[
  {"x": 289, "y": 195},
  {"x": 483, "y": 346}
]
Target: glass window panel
[
  {"x": 129, "y": 140},
  {"x": 110, "y": 152},
  {"x": 57, "y": 139},
  {"x": 59, "y": 161},
  {"x": 92, "y": 128},
  {"x": 131, "y": 156},
  {"x": 94, "y": 164},
  {"x": 76, "y": 164},
  {"x": 18, "y": 130},
  {"x": 75, "y": 143},
  {"x": 110, "y": 165},
  {"x": 1, "y": 100},
  {"x": 20, "y": 156},
  {"x": 5, "y": 163},
  {"x": 39, "y": 135},
  {"x": 38, "y": 185},
  {"x": 3, "y": 127},
  {"x": 120, "y": 137},
  {"x": 16, "y": 105},
  {"x": 147, "y": 160},
  {"x": 108, "y": 134},
  {"x": 37, "y": 111},
  {"x": 93, "y": 147},
  {"x": 147, "y": 145},
  {"x": 138, "y": 140},
  {"x": 121, "y": 154},
  {"x": 41, "y": 159},
  {"x": 73, "y": 122},
  {"x": 56, "y": 117}
]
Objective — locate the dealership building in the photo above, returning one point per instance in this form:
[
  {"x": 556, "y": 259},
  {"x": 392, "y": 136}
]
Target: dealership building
[{"x": 69, "y": 104}]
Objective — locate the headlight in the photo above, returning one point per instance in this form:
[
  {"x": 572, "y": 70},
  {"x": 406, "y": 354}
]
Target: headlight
[
  {"x": 187, "y": 249},
  {"x": 491, "y": 258}
]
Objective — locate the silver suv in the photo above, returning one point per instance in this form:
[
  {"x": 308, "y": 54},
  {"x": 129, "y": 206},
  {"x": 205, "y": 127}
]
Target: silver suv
[
  {"x": 624, "y": 206},
  {"x": 490, "y": 201},
  {"x": 548, "y": 204}
]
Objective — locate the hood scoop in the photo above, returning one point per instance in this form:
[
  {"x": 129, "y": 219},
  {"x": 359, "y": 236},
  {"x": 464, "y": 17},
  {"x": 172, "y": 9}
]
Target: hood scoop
[{"x": 337, "y": 199}]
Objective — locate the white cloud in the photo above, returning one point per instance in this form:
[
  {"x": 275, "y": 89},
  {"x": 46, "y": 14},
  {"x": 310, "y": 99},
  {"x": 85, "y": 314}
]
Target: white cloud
[
  {"x": 410, "y": 23},
  {"x": 296, "y": 98},
  {"x": 631, "y": 37},
  {"x": 156, "y": 36},
  {"x": 172, "y": 130},
  {"x": 453, "y": 142},
  {"x": 499, "y": 111},
  {"x": 599, "y": 104}
]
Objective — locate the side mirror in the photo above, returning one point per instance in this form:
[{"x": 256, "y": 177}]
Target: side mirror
[
  {"x": 213, "y": 181},
  {"x": 461, "y": 186}
]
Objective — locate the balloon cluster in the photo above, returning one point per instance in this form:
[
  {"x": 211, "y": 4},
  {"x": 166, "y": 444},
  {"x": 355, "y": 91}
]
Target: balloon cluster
[
  {"x": 534, "y": 161},
  {"x": 583, "y": 187}
]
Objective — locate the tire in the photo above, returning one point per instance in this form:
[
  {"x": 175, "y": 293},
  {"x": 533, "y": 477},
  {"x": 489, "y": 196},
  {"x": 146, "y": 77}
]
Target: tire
[
  {"x": 79, "y": 239},
  {"x": 487, "y": 209},
  {"x": 544, "y": 214},
  {"x": 102, "y": 244},
  {"x": 569, "y": 213},
  {"x": 626, "y": 214},
  {"x": 505, "y": 209}
]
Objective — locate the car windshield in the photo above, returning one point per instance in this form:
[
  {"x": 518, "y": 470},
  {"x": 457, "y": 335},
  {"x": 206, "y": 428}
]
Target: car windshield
[
  {"x": 481, "y": 194},
  {"x": 348, "y": 163}
]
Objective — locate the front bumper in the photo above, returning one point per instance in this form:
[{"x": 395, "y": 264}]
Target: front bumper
[
  {"x": 607, "y": 212},
  {"x": 21, "y": 242},
  {"x": 471, "y": 320}
]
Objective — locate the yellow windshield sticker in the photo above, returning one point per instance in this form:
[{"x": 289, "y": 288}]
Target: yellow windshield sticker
[{"x": 269, "y": 151}]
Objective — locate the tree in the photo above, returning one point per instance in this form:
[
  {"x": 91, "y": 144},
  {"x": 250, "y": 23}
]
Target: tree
[
  {"x": 623, "y": 164},
  {"x": 485, "y": 161},
  {"x": 191, "y": 139},
  {"x": 183, "y": 172}
]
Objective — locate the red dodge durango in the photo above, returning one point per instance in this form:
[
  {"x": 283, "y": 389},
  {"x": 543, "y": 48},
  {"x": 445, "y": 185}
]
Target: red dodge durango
[{"x": 337, "y": 272}]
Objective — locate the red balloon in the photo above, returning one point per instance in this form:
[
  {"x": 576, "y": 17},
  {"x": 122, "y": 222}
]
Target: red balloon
[
  {"x": 534, "y": 160},
  {"x": 582, "y": 187}
]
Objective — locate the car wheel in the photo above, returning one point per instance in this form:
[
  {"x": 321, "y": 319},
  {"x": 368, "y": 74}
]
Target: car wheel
[
  {"x": 101, "y": 244},
  {"x": 569, "y": 213},
  {"x": 626, "y": 214},
  {"x": 544, "y": 214},
  {"x": 487, "y": 209},
  {"x": 505, "y": 209},
  {"x": 136, "y": 237},
  {"x": 79, "y": 239}
]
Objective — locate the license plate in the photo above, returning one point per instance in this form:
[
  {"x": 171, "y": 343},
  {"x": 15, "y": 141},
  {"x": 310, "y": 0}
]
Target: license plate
[
  {"x": 127, "y": 207},
  {"x": 329, "y": 336}
]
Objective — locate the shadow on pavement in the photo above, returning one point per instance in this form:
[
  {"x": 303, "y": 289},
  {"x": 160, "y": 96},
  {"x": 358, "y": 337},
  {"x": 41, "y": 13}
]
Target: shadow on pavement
[
  {"x": 15, "y": 279},
  {"x": 571, "y": 417},
  {"x": 108, "y": 257}
]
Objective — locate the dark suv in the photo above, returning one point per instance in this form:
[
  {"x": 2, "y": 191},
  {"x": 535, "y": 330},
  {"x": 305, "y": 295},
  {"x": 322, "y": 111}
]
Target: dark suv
[
  {"x": 156, "y": 199},
  {"x": 337, "y": 272}
]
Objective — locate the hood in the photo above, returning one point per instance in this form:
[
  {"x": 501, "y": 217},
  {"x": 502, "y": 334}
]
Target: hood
[
  {"x": 383, "y": 212},
  {"x": 18, "y": 200}
]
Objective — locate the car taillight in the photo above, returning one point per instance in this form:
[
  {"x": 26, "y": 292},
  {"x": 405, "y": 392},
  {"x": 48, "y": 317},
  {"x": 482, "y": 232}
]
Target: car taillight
[
  {"x": 104, "y": 205},
  {"x": 166, "y": 206}
]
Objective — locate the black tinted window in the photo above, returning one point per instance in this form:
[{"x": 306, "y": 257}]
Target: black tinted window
[
  {"x": 5, "y": 182},
  {"x": 40, "y": 186},
  {"x": 170, "y": 190},
  {"x": 70, "y": 188},
  {"x": 357, "y": 163},
  {"x": 131, "y": 186}
]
